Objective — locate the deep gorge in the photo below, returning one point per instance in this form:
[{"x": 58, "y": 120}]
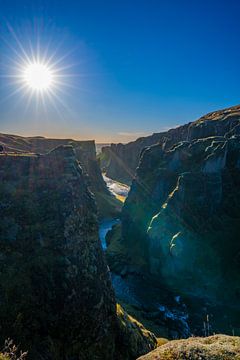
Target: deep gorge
[{"x": 92, "y": 268}]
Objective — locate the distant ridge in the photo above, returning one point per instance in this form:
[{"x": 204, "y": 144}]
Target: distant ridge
[{"x": 120, "y": 161}]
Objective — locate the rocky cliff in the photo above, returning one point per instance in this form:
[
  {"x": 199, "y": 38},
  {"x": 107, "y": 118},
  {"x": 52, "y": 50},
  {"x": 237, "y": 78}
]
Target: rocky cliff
[
  {"x": 121, "y": 160},
  {"x": 55, "y": 290},
  {"x": 86, "y": 154},
  {"x": 181, "y": 220}
]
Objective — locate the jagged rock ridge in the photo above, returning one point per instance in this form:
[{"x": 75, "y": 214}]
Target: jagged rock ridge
[{"x": 121, "y": 160}]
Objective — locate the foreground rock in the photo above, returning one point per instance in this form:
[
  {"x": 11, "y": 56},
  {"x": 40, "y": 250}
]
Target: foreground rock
[
  {"x": 55, "y": 290},
  {"x": 218, "y": 347}
]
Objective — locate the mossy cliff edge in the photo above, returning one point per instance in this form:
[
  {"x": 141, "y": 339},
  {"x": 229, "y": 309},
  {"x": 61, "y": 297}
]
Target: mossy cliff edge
[
  {"x": 85, "y": 152},
  {"x": 56, "y": 296}
]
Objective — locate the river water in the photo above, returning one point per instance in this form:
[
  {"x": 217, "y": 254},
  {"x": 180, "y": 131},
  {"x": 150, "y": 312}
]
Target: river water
[
  {"x": 104, "y": 228},
  {"x": 119, "y": 190}
]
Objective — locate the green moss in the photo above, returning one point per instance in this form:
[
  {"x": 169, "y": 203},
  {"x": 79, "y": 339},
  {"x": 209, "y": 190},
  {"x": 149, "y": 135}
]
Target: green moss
[
  {"x": 217, "y": 347},
  {"x": 160, "y": 332},
  {"x": 135, "y": 338}
]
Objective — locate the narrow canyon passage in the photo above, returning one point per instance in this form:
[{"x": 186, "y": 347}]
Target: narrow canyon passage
[{"x": 137, "y": 291}]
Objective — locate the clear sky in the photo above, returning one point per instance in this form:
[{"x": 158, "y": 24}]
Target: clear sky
[{"x": 130, "y": 67}]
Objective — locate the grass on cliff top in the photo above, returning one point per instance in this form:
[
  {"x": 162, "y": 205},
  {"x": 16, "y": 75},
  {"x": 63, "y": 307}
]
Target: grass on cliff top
[
  {"x": 217, "y": 347},
  {"x": 135, "y": 333},
  {"x": 159, "y": 331}
]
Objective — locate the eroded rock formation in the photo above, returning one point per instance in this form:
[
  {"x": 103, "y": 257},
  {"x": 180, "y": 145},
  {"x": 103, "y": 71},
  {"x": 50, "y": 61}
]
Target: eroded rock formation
[
  {"x": 181, "y": 220},
  {"x": 85, "y": 152},
  {"x": 121, "y": 160},
  {"x": 55, "y": 291}
]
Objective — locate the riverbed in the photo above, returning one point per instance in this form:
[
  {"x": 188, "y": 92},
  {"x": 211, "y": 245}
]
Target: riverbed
[
  {"x": 119, "y": 190},
  {"x": 104, "y": 227}
]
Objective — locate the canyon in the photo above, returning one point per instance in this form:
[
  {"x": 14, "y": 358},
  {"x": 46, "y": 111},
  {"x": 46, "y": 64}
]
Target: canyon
[
  {"x": 180, "y": 226},
  {"x": 57, "y": 301},
  {"x": 111, "y": 262}
]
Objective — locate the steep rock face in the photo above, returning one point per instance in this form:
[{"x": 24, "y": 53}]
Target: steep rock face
[
  {"x": 194, "y": 237},
  {"x": 181, "y": 219},
  {"x": 55, "y": 290},
  {"x": 85, "y": 152},
  {"x": 218, "y": 347},
  {"x": 56, "y": 295},
  {"x": 120, "y": 161}
]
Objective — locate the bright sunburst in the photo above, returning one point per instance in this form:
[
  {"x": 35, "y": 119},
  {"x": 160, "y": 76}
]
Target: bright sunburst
[
  {"x": 38, "y": 73},
  {"x": 38, "y": 76}
]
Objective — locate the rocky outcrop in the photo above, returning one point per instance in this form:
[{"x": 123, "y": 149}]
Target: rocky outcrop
[
  {"x": 55, "y": 290},
  {"x": 193, "y": 237},
  {"x": 218, "y": 347},
  {"x": 56, "y": 296},
  {"x": 121, "y": 160},
  {"x": 181, "y": 220},
  {"x": 85, "y": 152},
  {"x": 133, "y": 338},
  {"x": 182, "y": 215}
]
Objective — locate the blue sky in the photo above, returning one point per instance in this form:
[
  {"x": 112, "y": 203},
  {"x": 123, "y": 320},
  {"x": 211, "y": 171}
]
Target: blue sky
[{"x": 132, "y": 67}]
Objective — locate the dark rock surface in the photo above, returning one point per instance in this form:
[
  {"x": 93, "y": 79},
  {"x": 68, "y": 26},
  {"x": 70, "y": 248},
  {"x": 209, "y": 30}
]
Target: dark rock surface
[
  {"x": 86, "y": 154},
  {"x": 121, "y": 160},
  {"x": 55, "y": 291},
  {"x": 181, "y": 220}
]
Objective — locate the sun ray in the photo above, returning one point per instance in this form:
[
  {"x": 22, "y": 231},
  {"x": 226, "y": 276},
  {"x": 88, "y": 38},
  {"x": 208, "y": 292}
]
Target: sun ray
[
  {"x": 38, "y": 72},
  {"x": 18, "y": 42}
]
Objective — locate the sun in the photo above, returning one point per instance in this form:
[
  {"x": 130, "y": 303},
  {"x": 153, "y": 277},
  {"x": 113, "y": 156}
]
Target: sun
[
  {"x": 38, "y": 73},
  {"x": 38, "y": 76}
]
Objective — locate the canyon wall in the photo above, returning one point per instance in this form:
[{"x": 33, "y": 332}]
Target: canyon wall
[
  {"x": 181, "y": 219},
  {"x": 121, "y": 160},
  {"x": 86, "y": 154},
  {"x": 56, "y": 296}
]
